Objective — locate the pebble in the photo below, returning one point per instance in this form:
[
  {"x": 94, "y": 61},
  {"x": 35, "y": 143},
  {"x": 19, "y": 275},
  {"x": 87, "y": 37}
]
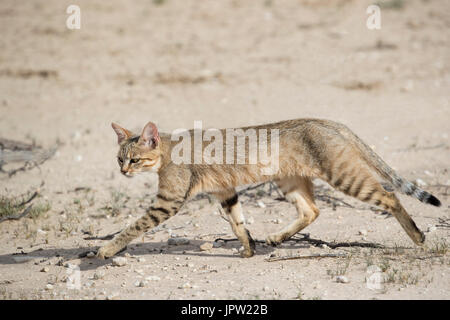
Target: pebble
[
  {"x": 428, "y": 173},
  {"x": 206, "y": 246},
  {"x": 432, "y": 228},
  {"x": 260, "y": 204},
  {"x": 49, "y": 287},
  {"x": 119, "y": 261},
  {"x": 140, "y": 283},
  {"x": 277, "y": 221},
  {"x": 250, "y": 220},
  {"x": 113, "y": 296},
  {"x": 217, "y": 244},
  {"x": 139, "y": 271},
  {"x": 90, "y": 254},
  {"x": 70, "y": 265},
  {"x": 342, "y": 279},
  {"x": 420, "y": 183},
  {"x": 363, "y": 232},
  {"x": 186, "y": 285},
  {"x": 141, "y": 259},
  {"x": 45, "y": 269},
  {"x": 153, "y": 278},
  {"x": 99, "y": 274},
  {"x": 178, "y": 241}
]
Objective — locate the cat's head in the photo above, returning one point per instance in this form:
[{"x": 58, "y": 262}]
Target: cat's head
[{"x": 138, "y": 153}]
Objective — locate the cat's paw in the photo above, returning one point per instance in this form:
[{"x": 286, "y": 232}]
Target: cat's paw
[
  {"x": 273, "y": 240},
  {"x": 105, "y": 252},
  {"x": 246, "y": 253}
]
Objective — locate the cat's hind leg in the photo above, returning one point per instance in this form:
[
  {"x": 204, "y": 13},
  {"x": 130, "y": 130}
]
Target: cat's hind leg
[
  {"x": 230, "y": 203},
  {"x": 299, "y": 191}
]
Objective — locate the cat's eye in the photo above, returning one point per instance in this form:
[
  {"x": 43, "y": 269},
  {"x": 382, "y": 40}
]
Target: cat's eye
[{"x": 134, "y": 160}]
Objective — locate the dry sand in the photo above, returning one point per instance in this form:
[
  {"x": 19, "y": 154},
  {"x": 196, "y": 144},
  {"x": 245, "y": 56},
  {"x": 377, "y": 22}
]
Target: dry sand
[{"x": 228, "y": 64}]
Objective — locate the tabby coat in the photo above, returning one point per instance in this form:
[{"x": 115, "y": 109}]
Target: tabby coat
[{"x": 308, "y": 148}]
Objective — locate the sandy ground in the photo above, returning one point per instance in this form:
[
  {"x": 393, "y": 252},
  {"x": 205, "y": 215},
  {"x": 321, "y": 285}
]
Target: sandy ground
[{"x": 228, "y": 64}]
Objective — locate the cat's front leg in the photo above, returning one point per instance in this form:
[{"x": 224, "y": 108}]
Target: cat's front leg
[{"x": 164, "y": 208}]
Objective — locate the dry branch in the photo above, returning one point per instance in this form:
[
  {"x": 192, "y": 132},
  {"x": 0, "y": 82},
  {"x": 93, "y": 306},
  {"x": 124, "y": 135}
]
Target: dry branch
[
  {"x": 18, "y": 216},
  {"x": 15, "y": 151},
  {"x": 309, "y": 256}
]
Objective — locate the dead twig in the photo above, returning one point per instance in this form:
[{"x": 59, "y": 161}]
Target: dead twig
[
  {"x": 309, "y": 256},
  {"x": 107, "y": 237},
  {"x": 334, "y": 245},
  {"x": 15, "y": 151},
  {"x": 34, "y": 195},
  {"x": 444, "y": 223},
  {"x": 18, "y": 216}
]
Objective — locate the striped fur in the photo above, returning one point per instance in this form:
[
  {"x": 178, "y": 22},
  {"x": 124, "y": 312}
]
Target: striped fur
[{"x": 309, "y": 148}]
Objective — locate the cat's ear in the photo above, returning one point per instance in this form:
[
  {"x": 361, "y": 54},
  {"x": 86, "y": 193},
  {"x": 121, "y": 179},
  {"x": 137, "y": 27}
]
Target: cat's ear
[
  {"x": 122, "y": 134},
  {"x": 150, "y": 136}
]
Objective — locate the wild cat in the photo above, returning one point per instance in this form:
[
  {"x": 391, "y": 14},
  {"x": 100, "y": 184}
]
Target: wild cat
[{"x": 308, "y": 148}]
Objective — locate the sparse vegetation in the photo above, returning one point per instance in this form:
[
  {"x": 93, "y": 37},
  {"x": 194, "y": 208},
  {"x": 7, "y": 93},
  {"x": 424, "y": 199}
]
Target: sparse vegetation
[
  {"x": 14, "y": 206},
  {"x": 116, "y": 203}
]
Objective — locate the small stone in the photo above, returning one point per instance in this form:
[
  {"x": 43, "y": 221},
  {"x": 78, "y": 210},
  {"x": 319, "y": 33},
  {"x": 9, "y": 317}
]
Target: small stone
[
  {"x": 90, "y": 254},
  {"x": 127, "y": 255},
  {"x": 99, "y": 274},
  {"x": 250, "y": 220},
  {"x": 49, "y": 287},
  {"x": 363, "y": 232},
  {"x": 178, "y": 241},
  {"x": 260, "y": 204},
  {"x": 428, "y": 173},
  {"x": 206, "y": 246},
  {"x": 420, "y": 183},
  {"x": 342, "y": 279},
  {"x": 153, "y": 278},
  {"x": 234, "y": 250},
  {"x": 217, "y": 244},
  {"x": 45, "y": 269},
  {"x": 119, "y": 261},
  {"x": 140, "y": 283},
  {"x": 113, "y": 296},
  {"x": 139, "y": 271},
  {"x": 186, "y": 285},
  {"x": 266, "y": 288},
  {"x": 70, "y": 266},
  {"x": 141, "y": 259},
  {"x": 432, "y": 228},
  {"x": 277, "y": 221}
]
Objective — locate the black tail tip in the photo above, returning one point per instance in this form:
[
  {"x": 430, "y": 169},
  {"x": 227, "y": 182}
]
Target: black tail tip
[{"x": 433, "y": 201}]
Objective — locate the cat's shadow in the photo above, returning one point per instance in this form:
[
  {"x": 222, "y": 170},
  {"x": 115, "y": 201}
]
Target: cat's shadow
[{"x": 42, "y": 256}]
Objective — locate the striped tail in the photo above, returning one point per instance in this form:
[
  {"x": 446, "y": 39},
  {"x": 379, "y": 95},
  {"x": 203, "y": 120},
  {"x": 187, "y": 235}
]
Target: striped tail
[{"x": 387, "y": 172}]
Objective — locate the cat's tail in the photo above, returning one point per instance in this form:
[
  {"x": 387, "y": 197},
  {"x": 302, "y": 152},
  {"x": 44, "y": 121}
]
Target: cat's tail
[{"x": 378, "y": 164}]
